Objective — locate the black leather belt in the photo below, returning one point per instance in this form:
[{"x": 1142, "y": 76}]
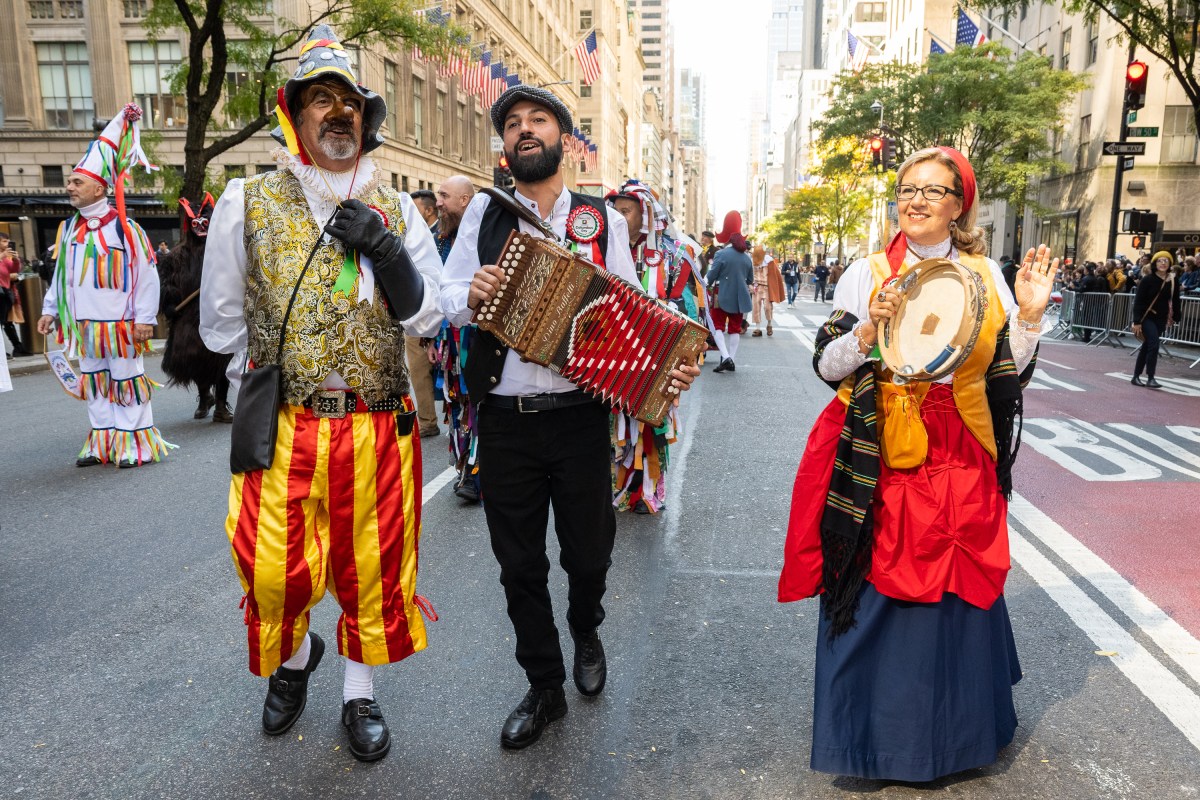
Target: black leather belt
[
  {"x": 337, "y": 403},
  {"x": 529, "y": 403}
]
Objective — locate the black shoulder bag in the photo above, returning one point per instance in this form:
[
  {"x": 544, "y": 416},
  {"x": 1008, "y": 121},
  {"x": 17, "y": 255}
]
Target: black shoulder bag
[{"x": 256, "y": 415}]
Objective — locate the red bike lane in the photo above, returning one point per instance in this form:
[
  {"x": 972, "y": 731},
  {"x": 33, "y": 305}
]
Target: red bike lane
[{"x": 1118, "y": 466}]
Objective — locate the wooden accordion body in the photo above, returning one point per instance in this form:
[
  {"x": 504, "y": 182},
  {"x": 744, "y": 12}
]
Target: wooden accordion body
[{"x": 595, "y": 329}]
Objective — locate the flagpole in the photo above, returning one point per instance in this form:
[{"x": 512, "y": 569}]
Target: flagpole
[
  {"x": 941, "y": 43},
  {"x": 571, "y": 49},
  {"x": 963, "y": 9}
]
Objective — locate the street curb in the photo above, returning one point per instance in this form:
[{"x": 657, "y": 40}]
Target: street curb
[{"x": 29, "y": 365}]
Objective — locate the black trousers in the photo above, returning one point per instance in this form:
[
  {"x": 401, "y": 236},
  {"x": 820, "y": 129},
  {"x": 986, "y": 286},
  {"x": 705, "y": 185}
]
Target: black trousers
[
  {"x": 529, "y": 463},
  {"x": 819, "y": 291},
  {"x": 1147, "y": 357}
]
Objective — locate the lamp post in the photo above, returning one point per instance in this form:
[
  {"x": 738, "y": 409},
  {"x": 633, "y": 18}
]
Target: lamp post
[
  {"x": 881, "y": 185},
  {"x": 878, "y": 108}
]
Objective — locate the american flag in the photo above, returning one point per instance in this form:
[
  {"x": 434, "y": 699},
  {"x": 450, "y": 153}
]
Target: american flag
[
  {"x": 588, "y": 57},
  {"x": 592, "y": 159},
  {"x": 494, "y": 86},
  {"x": 968, "y": 32},
  {"x": 434, "y": 16},
  {"x": 857, "y": 51},
  {"x": 476, "y": 74},
  {"x": 456, "y": 61},
  {"x": 936, "y": 49}
]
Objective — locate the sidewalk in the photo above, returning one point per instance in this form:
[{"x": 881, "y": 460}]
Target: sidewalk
[{"x": 27, "y": 365}]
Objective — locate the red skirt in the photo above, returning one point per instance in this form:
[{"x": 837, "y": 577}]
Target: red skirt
[{"x": 940, "y": 527}]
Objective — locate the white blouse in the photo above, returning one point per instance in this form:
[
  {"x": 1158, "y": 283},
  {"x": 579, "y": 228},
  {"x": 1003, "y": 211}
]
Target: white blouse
[{"x": 842, "y": 356}]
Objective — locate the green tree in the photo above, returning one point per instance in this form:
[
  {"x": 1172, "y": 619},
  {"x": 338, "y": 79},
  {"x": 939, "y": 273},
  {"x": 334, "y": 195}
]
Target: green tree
[
  {"x": 1169, "y": 31},
  {"x": 980, "y": 100},
  {"x": 222, "y": 36}
]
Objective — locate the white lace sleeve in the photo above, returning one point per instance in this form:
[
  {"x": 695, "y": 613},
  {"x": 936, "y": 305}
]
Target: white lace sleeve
[
  {"x": 841, "y": 357},
  {"x": 1022, "y": 342}
]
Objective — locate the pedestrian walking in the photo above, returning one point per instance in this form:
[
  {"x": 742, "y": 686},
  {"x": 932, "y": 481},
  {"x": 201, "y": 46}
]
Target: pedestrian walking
[
  {"x": 768, "y": 289},
  {"x": 327, "y": 239},
  {"x": 899, "y": 521},
  {"x": 542, "y": 441},
  {"x": 103, "y": 300},
  {"x": 791, "y": 278},
  {"x": 1155, "y": 307},
  {"x": 731, "y": 276},
  {"x": 11, "y": 311},
  {"x": 820, "y": 279},
  {"x": 185, "y": 358}
]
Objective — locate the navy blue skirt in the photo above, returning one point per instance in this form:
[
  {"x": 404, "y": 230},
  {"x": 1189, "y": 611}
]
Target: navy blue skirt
[{"x": 914, "y": 691}]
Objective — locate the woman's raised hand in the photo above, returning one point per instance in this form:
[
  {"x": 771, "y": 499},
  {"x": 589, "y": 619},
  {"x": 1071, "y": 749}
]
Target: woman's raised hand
[{"x": 1034, "y": 282}]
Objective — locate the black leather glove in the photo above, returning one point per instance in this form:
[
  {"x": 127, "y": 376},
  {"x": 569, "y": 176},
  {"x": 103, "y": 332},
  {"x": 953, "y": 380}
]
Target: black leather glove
[{"x": 358, "y": 227}]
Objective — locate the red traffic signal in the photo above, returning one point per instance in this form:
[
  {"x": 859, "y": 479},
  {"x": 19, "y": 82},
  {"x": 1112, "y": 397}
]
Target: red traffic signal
[
  {"x": 876, "y": 146},
  {"x": 503, "y": 162},
  {"x": 1137, "y": 75}
]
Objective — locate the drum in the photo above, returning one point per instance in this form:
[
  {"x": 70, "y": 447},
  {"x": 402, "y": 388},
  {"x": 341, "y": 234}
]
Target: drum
[{"x": 934, "y": 330}]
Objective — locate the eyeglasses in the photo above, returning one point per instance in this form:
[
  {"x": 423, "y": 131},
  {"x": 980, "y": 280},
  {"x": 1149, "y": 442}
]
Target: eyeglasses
[{"x": 933, "y": 193}]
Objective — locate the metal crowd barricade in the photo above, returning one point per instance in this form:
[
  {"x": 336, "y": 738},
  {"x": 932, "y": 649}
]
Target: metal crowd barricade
[
  {"x": 1186, "y": 329},
  {"x": 1062, "y": 328},
  {"x": 1120, "y": 317},
  {"x": 1091, "y": 313}
]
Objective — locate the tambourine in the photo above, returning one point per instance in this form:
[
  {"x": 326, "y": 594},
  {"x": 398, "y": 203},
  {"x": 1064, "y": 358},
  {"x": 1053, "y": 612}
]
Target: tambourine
[{"x": 941, "y": 311}]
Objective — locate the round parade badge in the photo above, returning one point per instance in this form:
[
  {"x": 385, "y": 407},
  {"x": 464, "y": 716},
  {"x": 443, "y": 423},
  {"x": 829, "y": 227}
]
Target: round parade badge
[
  {"x": 93, "y": 224},
  {"x": 653, "y": 258},
  {"x": 584, "y": 225}
]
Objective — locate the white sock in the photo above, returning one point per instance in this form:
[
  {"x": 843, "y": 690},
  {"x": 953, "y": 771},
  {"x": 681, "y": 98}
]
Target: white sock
[
  {"x": 360, "y": 682},
  {"x": 299, "y": 659},
  {"x": 734, "y": 338},
  {"x": 719, "y": 338}
]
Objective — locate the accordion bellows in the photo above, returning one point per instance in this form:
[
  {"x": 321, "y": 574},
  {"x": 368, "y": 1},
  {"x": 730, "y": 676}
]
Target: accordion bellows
[{"x": 590, "y": 326}]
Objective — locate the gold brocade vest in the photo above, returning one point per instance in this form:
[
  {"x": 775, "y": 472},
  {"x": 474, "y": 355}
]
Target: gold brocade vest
[
  {"x": 362, "y": 342},
  {"x": 902, "y": 439}
]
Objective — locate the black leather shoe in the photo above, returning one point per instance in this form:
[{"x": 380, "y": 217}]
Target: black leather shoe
[
  {"x": 732, "y": 367},
  {"x": 287, "y": 691},
  {"x": 1137, "y": 381},
  {"x": 591, "y": 669},
  {"x": 204, "y": 405},
  {"x": 222, "y": 413},
  {"x": 86, "y": 461},
  {"x": 725, "y": 366},
  {"x": 1153, "y": 384},
  {"x": 363, "y": 720},
  {"x": 536, "y": 710}
]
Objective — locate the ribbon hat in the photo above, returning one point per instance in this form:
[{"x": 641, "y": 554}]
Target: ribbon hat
[{"x": 323, "y": 57}]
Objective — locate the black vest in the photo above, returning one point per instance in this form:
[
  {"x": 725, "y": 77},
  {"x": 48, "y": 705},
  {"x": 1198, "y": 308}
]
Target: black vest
[{"x": 485, "y": 359}]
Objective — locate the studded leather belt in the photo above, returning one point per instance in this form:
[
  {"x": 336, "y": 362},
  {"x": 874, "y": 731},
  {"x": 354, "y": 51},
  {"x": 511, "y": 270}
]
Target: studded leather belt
[{"x": 337, "y": 403}]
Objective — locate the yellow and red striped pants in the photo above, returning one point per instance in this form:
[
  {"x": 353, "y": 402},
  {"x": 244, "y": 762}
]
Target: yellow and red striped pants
[{"x": 339, "y": 507}]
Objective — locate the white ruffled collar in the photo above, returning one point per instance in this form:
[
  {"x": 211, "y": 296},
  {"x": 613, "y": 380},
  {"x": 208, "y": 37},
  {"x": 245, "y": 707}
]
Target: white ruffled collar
[
  {"x": 942, "y": 249},
  {"x": 319, "y": 181}
]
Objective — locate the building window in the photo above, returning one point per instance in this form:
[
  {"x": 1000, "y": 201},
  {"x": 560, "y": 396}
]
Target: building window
[
  {"x": 870, "y": 12},
  {"x": 395, "y": 181},
  {"x": 52, "y": 176},
  {"x": 652, "y": 15},
  {"x": 404, "y": 183},
  {"x": 584, "y": 90},
  {"x": 652, "y": 27},
  {"x": 1082, "y": 150},
  {"x": 70, "y": 9},
  {"x": 150, "y": 67},
  {"x": 233, "y": 171},
  {"x": 1179, "y": 140},
  {"x": 440, "y": 114},
  {"x": 418, "y": 89},
  {"x": 41, "y": 9},
  {"x": 66, "y": 79},
  {"x": 585, "y": 19},
  {"x": 262, "y": 169},
  {"x": 1093, "y": 43},
  {"x": 652, "y": 53},
  {"x": 136, "y": 9},
  {"x": 460, "y": 128},
  {"x": 1064, "y": 57},
  {"x": 1024, "y": 10},
  {"x": 585, "y": 126},
  {"x": 652, "y": 40},
  {"x": 389, "y": 97}
]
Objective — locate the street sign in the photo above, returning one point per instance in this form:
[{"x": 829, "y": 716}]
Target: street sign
[
  {"x": 497, "y": 144},
  {"x": 1125, "y": 148},
  {"x": 1147, "y": 133},
  {"x": 1128, "y": 163}
]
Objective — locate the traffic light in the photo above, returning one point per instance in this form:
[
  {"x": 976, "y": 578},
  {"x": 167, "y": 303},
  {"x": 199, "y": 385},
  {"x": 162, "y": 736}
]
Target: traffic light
[
  {"x": 1136, "y": 221},
  {"x": 501, "y": 176},
  {"x": 889, "y": 152},
  {"x": 1138, "y": 241},
  {"x": 876, "y": 151},
  {"x": 1136, "y": 77}
]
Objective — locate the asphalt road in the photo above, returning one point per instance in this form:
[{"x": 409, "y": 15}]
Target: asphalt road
[{"x": 122, "y": 663}]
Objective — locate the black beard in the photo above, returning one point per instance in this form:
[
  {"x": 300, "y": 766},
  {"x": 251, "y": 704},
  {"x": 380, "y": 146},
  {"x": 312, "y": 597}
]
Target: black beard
[{"x": 537, "y": 167}]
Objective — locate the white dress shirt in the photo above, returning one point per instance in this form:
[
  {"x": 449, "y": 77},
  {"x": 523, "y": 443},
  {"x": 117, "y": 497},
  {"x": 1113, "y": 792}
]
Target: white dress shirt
[
  {"x": 223, "y": 283},
  {"x": 853, "y": 294},
  {"x": 518, "y": 377}
]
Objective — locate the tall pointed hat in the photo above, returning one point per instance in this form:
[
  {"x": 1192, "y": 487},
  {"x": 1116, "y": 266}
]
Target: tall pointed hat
[{"x": 323, "y": 57}]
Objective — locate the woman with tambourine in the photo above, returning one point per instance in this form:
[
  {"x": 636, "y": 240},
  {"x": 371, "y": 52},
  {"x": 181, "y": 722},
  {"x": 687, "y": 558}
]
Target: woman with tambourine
[{"x": 899, "y": 513}]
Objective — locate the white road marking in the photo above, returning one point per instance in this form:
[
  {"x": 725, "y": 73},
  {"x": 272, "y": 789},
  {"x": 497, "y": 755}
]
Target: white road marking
[
  {"x": 1143, "y": 452},
  {"x": 1159, "y": 685},
  {"x": 1033, "y": 384},
  {"x": 1064, "y": 437},
  {"x": 1181, "y": 386},
  {"x": 435, "y": 485},
  {"x": 1041, "y": 375},
  {"x": 1052, "y": 363}
]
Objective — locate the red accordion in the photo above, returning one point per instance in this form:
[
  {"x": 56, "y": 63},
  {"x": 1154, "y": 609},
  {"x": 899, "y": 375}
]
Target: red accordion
[{"x": 598, "y": 331}]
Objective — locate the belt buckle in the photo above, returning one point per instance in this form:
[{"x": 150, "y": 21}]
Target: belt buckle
[
  {"x": 521, "y": 406},
  {"x": 329, "y": 404}
]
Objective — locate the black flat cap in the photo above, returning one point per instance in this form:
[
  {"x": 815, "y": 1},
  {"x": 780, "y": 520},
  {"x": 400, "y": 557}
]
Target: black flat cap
[{"x": 533, "y": 94}]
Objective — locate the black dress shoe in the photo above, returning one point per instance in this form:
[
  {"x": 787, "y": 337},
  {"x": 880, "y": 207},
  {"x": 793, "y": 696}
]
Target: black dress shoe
[
  {"x": 222, "y": 413},
  {"x": 1153, "y": 384},
  {"x": 725, "y": 366},
  {"x": 203, "y": 407},
  {"x": 591, "y": 670},
  {"x": 732, "y": 367},
  {"x": 536, "y": 710},
  {"x": 287, "y": 692},
  {"x": 1137, "y": 381},
  {"x": 87, "y": 461},
  {"x": 363, "y": 720}
]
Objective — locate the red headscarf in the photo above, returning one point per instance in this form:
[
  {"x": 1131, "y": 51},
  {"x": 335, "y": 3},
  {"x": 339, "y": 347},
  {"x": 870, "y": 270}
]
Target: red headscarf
[{"x": 899, "y": 245}]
